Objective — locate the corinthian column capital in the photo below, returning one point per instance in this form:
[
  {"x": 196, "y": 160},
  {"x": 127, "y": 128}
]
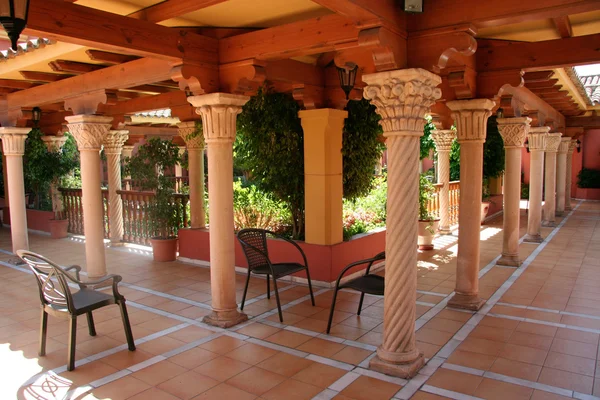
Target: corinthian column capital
[
  {"x": 13, "y": 140},
  {"x": 471, "y": 118},
  {"x": 513, "y": 131},
  {"x": 572, "y": 146},
  {"x": 219, "y": 112},
  {"x": 563, "y": 147},
  {"x": 54, "y": 143},
  {"x": 114, "y": 141},
  {"x": 193, "y": 138},
  {"x": 402, "y": 98},
  {"x": 89, "y": 130},
  {"x": 552, "y": 142},
  {"x": 536, "y": 138},
  {"x": 443, "y": 139}
]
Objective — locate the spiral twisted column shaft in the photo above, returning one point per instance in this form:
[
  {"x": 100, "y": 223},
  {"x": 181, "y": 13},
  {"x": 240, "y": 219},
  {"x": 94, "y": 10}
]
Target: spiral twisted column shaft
[
  {"x": 126, "y": 153},
  {"x": 549, "y": 213},
  {"x": 55, "y": 143},
  {"x": 572, "y": 147},
  {"x": 561, "y": 175},
  {"x": 470, "y": 117},
  {"x": 113, "y": 146},
  {"x": 536, "y": 140},
  {"x": 513, "y": 132},
  {"x": 402, "y": 98},
  {"x": 443, "y": 142}
]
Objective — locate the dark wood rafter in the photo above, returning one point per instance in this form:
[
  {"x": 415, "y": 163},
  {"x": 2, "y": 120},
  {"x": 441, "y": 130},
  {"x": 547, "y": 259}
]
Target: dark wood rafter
[
  {"x": 108, "y": 57},
  {"x": 73, "y": 67},
  {"x": 563, "y": 26},
  {"x": 43, "y": 76},
  {"x": 172, "y": 8},
  {"x": 16, "y": 84},
  {"x": 537, "y": 76}
]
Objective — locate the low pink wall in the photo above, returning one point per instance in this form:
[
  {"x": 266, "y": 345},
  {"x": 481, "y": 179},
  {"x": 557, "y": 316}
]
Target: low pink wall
[
  {"x": 496, "y": 204},
  {"x": 39, "y": 220},
  {"x": 588, "y": 194},
  {"x": 325, "y": 262}
]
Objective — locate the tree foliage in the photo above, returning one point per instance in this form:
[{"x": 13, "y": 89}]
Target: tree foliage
[
  {"x": 493, "y": 151},
  {"x": 426, "y": 143},
  {"x": 455, "y": 161},
  {"x": 361, "y": 148}
]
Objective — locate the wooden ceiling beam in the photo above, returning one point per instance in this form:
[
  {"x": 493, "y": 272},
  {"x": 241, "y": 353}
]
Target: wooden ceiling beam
[
  {"x": 542, "y": 85},
  {"x": 73, "y": 67},
  {"x": 43, "y": 76},
  {"x": 108, "y": 57},
  {"x": 543, "y": 55},
  {"x": 537, "y": 76},
  {"x": 72, "y": 23},
  {"x": 445, "y": 13},
  {"x": 563, "y": 26},
  {"x": 152, "y": 89},
  {"x": 543, "y": 90},
  {"x": 362, "y": 11},
  {"x": 146, "y": 103},
  {"x": 313, "y": 36},
  {"x": 590, "y": 122},
  {"x": 16, "y": 84},
  {"x": 172, "y": 8},
  {"x": 295, "y": 72}
]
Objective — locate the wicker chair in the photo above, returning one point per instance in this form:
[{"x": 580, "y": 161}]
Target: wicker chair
[
  {"x": 57, "y": 300},
  {"x": 254, "y": 244},
  {"x": 368, "y": 283}
]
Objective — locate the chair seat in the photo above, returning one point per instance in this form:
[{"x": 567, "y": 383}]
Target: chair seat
[
  {"x": 371, "y": 284},
  {"x": 87, "y": 300},
  {"x": 281, "y": 269}
]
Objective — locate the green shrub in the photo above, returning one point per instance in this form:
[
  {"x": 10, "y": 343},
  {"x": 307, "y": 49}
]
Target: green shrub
[
  {"x": 366, "y": 213},
  {"x": 426, "y": 191},
  {"x": 588, "y": 178},
  {"x": 253, "y": 208}
]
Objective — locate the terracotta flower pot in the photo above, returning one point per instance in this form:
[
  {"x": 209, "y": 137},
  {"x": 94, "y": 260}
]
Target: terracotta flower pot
[
  {"x": 485, "y": 207},
  {"x": 164, "y": 249},
  {"x": 58, "y": 228},
  {"x": 427, "y": 230}
]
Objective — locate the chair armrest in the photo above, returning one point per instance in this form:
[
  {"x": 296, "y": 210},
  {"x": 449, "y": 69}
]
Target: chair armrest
[
  {"x": 370, "y": 261},
  {"x": 259, "y": 251},
  {"x": 293, "y": 243},
  {"x": 77, "y": 269},
  {"x": 115, "y": 282}
]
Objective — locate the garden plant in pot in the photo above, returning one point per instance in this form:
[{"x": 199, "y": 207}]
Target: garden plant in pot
[
  {"x": 428, "y": 223},
  {"x": 485, "y": 199},
  {"x": 148, "y": 167}
]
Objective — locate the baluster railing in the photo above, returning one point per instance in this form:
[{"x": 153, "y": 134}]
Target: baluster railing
[
  {"x": 454, "y": 196},
  {"x": 73, "y": 208}
]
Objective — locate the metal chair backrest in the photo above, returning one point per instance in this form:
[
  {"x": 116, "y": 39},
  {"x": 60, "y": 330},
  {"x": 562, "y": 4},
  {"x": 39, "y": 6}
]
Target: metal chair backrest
[
  {"x": 378, "y": 257},
  {"x": 51, "y": 279},
  {"x": 254, "y": 244}
]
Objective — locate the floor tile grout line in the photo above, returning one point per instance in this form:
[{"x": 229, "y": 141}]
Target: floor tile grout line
[
  {"x": 547, "y": 323},
  {"x": 448, "y": 393},
  {"x": 549, "y": 310}
]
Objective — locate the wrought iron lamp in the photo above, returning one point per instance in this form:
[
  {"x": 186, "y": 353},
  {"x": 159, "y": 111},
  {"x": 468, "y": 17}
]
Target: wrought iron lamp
[
  {"x": 413, "y": 6},
  {"x": 347, "y": 75},
  {"x": 13, "y": 17},
  {"x": 578, "y": 145},
  {"x": 500, "y": 113},
  {"x": 36, "y": 115}
]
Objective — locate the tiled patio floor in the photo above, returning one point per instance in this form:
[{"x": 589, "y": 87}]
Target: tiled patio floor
[{"x": 536, "y": 338}]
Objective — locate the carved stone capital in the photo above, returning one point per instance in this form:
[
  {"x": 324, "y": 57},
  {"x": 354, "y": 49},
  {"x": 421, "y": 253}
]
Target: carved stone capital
[
  {"x": 513, "y": 131},
  {"x": 552, "y": 142},
  {"x": 563, "y": 147},
  {"x": 471, "y": 117},
  {"x": 54, "y": 143},
  {"x": 114, "y": 140},
  {"x": 187, "y": 130},
  {"x": 127, "y": 151},
  {"x": 536, "y": 138},
  {"x": 402, "y": 98},
  {"x": 219, "y": 112},
  {"x": 572, "y": 146},
  {"x": 89, "y": 130},
  {"x": 443, "y": 139},
  {"x": 13, "y": 140}
]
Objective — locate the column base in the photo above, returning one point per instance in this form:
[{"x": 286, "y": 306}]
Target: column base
[
  {"x": 533, "y": 238},
  {"x": 15, "y": 261},
  {"x": 225, "y": 319},
  {"x": 559, "y": 213},
  {"x": 466, "y": 302},
  {"x": 405, "y": 370},
  {"x": 445, "y": 231},
  {"x": 509, "y": 261},
  {"x": 549, "y": 224},
  {"x": 568, "y": 208},
  {"x": 116, "y": 244}
]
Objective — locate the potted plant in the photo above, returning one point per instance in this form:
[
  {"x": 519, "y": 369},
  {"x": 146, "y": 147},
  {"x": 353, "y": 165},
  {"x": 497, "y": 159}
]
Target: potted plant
[
  {"x": 148, "y": 168},
  {"x": 428, "y": 224}
]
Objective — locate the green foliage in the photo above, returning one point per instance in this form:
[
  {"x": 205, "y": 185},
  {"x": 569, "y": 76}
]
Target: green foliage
[
  {"x": 493, "y": 151},
  {"x": 588, "y": 178},
  {"x": 455, "y": 161},
  {"x": 485, "y": 189},
  {"x": 253, "y": 208},
  {"x": 524, "y": 190},
  {"x": 368, "y": 212},
  {"x": 147, "y": 167},
  {"x": 270, "y": 146},
  {"x": 361, "y": 148},
  {"x": 426, "y": 143},
  {"x": 426, "y": 191}
]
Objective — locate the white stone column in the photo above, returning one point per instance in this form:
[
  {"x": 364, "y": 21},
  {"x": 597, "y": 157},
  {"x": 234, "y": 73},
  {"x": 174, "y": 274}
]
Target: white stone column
[
  {"x": 194, "y": 142},
  {"x": 513, "y": 132},
  {"x": 113, "y": 146},
  {"x": 13, "y": 146},
  {"x": 470, "y": 117},
  {"x": 549, "y": 213},
  {"x": 443, "y": 142},
  {"x": 126, "y": 153},
  {"x": 219, "y": 112},
  {"x": 90, "y": 131},
  {"x": 572, "y": 147},
  {"x": 55, "y": 143},
  {"x": 402, "y": 98},
  {"x": 536, "y": 140},
  {"x": 561, "y": 175}
]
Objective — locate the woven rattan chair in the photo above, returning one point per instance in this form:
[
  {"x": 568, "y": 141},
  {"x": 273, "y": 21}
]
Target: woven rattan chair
[
  {"x": 57, "y": 300},
  {"x": 254, "y": 244},
  {"x": 368, "y": 283}
]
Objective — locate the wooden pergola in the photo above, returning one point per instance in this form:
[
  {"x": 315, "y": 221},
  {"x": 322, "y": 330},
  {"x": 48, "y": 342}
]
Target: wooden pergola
[{"x": 94, "y": 65}]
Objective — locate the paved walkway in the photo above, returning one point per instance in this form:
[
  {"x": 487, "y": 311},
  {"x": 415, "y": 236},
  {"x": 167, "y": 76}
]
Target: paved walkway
[{"x": 536, "y": 338}]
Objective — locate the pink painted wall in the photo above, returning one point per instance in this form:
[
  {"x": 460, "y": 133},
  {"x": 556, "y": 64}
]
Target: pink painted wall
[
  {"x": 525, "y": 159},
  {"x": 590, "y": 147}
]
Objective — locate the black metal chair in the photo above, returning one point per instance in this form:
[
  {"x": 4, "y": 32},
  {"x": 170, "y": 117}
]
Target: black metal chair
[
  {"x": 368, "y": 283},
  {"x": 57, "y": 300},
  {"x": 254, "y": 244}
]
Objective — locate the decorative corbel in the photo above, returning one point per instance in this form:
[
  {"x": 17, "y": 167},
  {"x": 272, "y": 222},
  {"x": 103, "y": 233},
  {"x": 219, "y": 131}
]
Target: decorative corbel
[
  {"x": 86, "y": 103},
  {"x": 493, "y": 84},
  {"x": 243, "y": 77},
  {"x": 310, "y": 97},
  {"x": 387, "y": 48},
  {"x": 463, "y": 82},
  {"x": 511, "y": 106},
  {"x": 196, "y": 79}
]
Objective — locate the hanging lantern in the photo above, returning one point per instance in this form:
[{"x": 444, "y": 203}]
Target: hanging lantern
[
  {"x": 13, "y": 17},
  {"x": 347, "y": 75},
  {"x": 36, "y": 115}
]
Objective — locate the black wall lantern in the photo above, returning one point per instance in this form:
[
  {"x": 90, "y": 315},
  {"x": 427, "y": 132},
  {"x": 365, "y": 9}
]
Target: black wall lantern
[
  {"x": 36, "y": 115},
  {"x": 413, "y": 6},
  {"x": 347, "y": 75},
  {"x": 578, "y": 145},
  {"x": 13, "y": 17}
]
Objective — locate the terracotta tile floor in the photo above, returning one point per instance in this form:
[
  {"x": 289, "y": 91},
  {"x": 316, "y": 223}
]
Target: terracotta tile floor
[{"x": 536, "y": 338}]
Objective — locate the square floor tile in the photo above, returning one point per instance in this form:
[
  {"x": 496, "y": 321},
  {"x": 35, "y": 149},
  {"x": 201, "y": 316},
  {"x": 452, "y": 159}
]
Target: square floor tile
[
  {"x": 285, "y": 364},
  {"x": 367, "y": 388},
  {"x": 188, "y": 385},
  {"x": 222, "y": 368},
  {"x": 320, "y": 375},
  {"x": 256, "y": 380}
]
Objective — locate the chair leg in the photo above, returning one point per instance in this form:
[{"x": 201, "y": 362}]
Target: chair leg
[
  {"x": 332, "y": 309},
  {"x": 312, "y": 297},
  {"x": 277, "y": 297},
  {"x": 268, "y": 287},
  {"x": 43, "y": 332},
  {"x": 362, "y": 297},
  {"x": 91, "y": 326},
  {"x": 127, "y": 326},
  {"x": 245, "y": 290},
  {"x": 72, "y": 343}
]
